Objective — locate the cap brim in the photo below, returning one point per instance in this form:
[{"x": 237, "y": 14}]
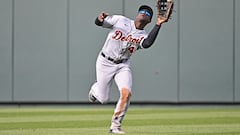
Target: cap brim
[{"x": 146, "y": 7}]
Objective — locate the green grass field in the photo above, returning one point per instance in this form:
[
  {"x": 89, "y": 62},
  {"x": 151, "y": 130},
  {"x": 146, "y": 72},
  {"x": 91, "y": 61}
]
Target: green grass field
[{"x": 138, "y": 121}]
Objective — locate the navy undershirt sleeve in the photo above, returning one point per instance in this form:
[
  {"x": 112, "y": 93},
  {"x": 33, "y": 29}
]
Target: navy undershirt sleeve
[
  {"x": 98, "y": 23},
  {"x": 151, "y": 37}
]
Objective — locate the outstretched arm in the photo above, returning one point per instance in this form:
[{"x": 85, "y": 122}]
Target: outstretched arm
[
  {"x": 151, "y": 37},
  {"x": 154, "y": 32}
]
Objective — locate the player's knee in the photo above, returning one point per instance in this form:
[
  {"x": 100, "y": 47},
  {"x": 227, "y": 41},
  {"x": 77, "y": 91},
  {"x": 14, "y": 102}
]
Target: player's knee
[
  {"x": 125, "y": 94},
  {"x": 103, "y": 101}
]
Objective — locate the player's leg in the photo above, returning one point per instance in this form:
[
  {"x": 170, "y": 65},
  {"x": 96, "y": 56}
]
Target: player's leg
[
  {"x": 124, "y": 82},
  {"x": 120, "y": 110},
  {"x": 100, "y": 90}
]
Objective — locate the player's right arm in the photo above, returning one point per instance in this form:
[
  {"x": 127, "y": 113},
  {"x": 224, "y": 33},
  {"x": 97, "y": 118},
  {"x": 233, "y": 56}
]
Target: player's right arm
[
  {"x": 106, "y": 21},
  {"x": 100, "y": 19}
]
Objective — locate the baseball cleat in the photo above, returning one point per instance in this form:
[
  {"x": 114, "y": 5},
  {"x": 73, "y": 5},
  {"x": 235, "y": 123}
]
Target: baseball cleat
[
  {"x": 91, "y": 98},
  {"x": 116, "y": 131}
]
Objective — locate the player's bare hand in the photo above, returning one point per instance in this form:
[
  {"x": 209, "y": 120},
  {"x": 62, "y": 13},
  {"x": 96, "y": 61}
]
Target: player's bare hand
[
  {"x": 102, "y": 16},
  {"x": 161, "y": 19}
]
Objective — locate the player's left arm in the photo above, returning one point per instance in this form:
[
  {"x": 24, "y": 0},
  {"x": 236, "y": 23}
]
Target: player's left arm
[
  {"x": 154, "y": 32},
  {"x": 147, "y": 42}
]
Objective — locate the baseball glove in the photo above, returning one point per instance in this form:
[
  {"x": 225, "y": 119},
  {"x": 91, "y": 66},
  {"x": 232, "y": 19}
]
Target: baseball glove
[{"x": 164, "y": 8}]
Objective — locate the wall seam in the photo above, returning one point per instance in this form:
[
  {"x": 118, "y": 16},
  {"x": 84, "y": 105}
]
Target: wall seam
[
  {"x": 13, "y": 44},
  {"x": 234, "y": 44},
  {"x": 123, "y": 7},
  {"x": 67, "y": 51},
  {"x": 178, "y": 52}
]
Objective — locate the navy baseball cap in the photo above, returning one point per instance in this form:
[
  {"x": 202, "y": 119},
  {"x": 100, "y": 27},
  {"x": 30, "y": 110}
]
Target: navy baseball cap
[{"x": 146, "y": 7}]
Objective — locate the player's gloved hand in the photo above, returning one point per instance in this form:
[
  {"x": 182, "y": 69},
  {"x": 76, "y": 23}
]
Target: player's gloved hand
[
  {"x": 102, "y": 16},
  {"x": 164, "y": 13}
]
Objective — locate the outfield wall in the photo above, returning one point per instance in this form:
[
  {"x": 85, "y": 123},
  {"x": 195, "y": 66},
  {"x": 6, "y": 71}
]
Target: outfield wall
[{"x": 48, "y": 50}]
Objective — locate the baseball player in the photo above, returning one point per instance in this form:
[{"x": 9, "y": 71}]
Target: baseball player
[{"x": 113, "y": 62}]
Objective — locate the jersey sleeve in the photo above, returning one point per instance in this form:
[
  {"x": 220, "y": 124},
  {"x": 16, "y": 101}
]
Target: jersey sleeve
[{"x": 110, "y": 21}]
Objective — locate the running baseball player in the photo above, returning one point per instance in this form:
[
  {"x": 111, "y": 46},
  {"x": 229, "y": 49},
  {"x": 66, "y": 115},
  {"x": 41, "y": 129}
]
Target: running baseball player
[{"x": 113, "y": 62}]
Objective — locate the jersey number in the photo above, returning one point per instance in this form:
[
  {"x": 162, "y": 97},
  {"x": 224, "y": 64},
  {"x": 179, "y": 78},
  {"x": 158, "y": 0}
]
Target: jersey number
[{"x": 131, "y": 49}]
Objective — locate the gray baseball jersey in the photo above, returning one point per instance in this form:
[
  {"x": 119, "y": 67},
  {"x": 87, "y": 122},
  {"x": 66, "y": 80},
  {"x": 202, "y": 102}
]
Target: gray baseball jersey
[{"x": 123, "y": 39}]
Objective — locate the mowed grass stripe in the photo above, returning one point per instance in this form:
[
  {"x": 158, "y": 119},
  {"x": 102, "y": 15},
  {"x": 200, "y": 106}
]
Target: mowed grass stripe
[
  {"x": 185, "y": 115},
  {"x": 89, "y": 114},
  {"x": 97, "y": 110},
  {"x": 159, "y": 116},
  {"x": 101, "y": 123},
  {"x": 56, "y": 118},
  {"x": 231, "y": 129},
  {"x": 138, "y": 121},
  {"x": 61, "y": 124},
  {"x": 50, "y": 112},
  {"x": 55, "y": 112},
  {"x": 183, "y": 110},
  {"x": 100, "y": 116},
  {"x": 58, "y": 131}
]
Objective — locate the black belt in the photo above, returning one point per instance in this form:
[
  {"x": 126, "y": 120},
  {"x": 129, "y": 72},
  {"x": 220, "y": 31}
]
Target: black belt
[{"x": 113, "y": 60}]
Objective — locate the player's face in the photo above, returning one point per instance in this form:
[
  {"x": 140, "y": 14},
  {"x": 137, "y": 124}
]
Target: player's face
[{"x": 144, "y": 16}]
